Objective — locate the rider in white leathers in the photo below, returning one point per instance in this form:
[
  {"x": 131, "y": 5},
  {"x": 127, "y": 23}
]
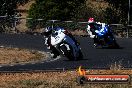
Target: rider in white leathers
[{"x": 48, "y": 32}]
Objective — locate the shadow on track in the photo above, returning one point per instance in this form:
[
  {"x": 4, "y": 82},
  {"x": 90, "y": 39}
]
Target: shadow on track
[{"x": 110, "y": 47}]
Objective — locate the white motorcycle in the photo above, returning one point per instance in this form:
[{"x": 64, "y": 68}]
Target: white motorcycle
[{"x": 65, "y": 45}]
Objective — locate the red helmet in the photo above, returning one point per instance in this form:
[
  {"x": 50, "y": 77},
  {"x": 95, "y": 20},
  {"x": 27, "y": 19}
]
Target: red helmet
[{"x": 91, "y": 20}]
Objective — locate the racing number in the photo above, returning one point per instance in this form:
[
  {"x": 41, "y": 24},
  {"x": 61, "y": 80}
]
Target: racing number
[{"x": 57, "y": 38}]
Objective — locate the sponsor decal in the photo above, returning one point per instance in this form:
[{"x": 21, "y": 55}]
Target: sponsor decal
[{"x": 103, "y": 78}]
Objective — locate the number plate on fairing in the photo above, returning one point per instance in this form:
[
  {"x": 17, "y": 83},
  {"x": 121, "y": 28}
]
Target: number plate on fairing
[{"x": 57, "y": 39}]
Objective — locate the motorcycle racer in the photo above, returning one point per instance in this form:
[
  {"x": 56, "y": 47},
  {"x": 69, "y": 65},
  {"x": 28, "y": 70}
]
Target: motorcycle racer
[
  {"x": 95, "y": 29},
  {"x": 101, "y": 33},
  {"x": 91, "y": 29},
  {"x": 48, "y": 32}
]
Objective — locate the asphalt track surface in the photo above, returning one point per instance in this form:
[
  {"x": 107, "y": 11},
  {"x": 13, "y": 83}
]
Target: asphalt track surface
[{"x": 93, "y": 58}]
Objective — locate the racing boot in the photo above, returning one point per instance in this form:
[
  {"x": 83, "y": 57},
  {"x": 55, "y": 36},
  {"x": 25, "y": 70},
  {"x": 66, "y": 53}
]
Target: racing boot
[{"x": 95, "y": 42}]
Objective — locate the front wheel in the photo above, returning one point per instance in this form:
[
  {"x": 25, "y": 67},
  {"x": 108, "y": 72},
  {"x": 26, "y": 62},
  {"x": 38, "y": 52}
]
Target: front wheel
[{"x": 66, "y": 50}]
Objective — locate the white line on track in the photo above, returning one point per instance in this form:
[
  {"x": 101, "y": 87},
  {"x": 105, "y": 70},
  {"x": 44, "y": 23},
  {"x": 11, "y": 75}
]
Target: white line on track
[
  {"x": 33, "y": 63},
  {"x": 58, "y": 57},
  {"x": 22, "y": 64},
  {"x": 11, "y": 65}
]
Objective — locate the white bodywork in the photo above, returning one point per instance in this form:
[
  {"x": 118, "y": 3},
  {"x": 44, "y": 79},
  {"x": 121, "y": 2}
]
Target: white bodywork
[
  {"x": 57, "y": 38},
  {"x": 89, "y": 32}
]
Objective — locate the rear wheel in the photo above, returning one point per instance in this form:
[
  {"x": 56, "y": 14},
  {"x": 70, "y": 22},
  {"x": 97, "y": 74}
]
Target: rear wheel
[
  {"x": 80, "y": 56},
  {"x": 115, "y": 45}
]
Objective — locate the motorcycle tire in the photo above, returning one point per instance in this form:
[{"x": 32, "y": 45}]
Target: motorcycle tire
[
  {"x": 67, "y": 53},
  {"x": 115, "y": 45},
  {"x": 80, "y": 56}
]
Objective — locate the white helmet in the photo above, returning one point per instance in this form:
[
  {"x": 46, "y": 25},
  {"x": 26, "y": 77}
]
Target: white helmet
[{"x": 48, "y": 29}]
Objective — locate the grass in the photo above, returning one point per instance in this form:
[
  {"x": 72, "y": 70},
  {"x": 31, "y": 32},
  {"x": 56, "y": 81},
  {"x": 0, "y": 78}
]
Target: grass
[
  {"x": 65, "y": 79},
  {"x": 10, "y": 55}
]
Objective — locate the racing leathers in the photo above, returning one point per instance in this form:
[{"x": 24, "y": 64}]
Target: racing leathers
[
  {"x": 91, "y": 29},
  {"x": 95, "y": 29},
  {"x": 48, "y": 40}
]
